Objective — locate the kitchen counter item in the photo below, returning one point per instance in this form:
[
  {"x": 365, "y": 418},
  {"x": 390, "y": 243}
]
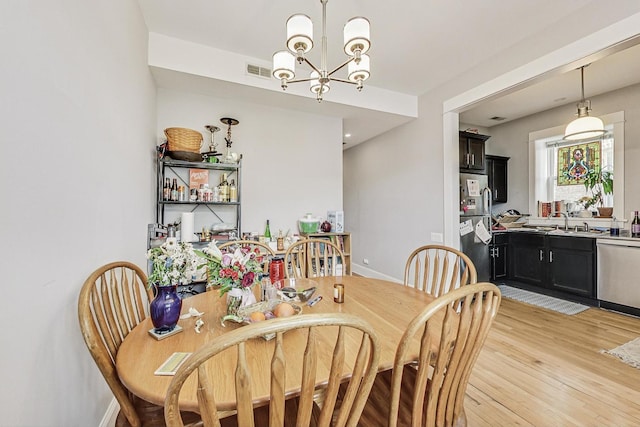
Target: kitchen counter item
[{"x": 308, "y": 224}]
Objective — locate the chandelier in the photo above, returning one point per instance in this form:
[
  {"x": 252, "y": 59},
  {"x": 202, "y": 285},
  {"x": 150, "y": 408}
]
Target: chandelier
[
  {"x": 300, "y": 41},
  {"x": 584, "y": 126}
]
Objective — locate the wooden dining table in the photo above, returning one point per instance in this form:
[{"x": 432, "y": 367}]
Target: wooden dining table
[{"x": 387, "y": 306}]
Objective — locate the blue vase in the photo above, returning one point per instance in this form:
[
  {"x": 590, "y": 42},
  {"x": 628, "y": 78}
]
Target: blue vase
[{"x": 165, "y": 309}]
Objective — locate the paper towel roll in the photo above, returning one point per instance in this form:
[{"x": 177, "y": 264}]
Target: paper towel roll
[{"x": 186, "y": 227}]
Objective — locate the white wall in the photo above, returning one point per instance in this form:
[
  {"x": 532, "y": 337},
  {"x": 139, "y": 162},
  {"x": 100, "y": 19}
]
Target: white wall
[
  {"x": 512, "y": 139},
  {"x": 78, "y": 128},
  {"x": 292, "y": 161}
]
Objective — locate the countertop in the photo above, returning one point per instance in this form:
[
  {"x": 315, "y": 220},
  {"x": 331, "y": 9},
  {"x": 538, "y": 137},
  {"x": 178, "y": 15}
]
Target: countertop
[{"x": 552, "y": 231}]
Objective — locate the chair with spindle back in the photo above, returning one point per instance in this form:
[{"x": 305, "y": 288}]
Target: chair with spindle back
[
  {"x": 113, "y": 300},
  {"x": 447, "y": 338},
  {"x": 265, "y": 249},
  {"x": 331, "y": 341},
  {"x": 437, "y": 269},
  {"x": 308, "y": 258}
]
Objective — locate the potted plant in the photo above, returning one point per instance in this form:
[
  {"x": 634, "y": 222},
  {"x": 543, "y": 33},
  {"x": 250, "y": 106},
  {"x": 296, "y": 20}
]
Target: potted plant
[{"x": 599, "y": 182}]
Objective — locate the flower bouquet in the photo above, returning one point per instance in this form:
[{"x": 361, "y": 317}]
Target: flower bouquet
[
  {"x": 237, "y": 269},
  {"x": 172, "y": 262}
]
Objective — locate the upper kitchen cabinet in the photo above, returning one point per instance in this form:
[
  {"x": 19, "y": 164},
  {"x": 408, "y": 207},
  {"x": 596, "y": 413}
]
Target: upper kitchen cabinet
[
  {"x": 472, "y": 158},
  {"x": 497, "y": 177}
]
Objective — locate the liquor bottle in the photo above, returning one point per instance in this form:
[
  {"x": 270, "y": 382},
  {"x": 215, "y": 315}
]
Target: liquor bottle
[
  {"x": 174, "y": 190},
  {"x": 635, "y": 225},
  {"x": 267, "y": 232},
  {"x": 166, "y": 190},
  {"x": 224, "y": 188},
  {"x": 233, "y": 191}
]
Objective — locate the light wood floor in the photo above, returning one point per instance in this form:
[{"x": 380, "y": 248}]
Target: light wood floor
[{"x": 542, "y": 368}]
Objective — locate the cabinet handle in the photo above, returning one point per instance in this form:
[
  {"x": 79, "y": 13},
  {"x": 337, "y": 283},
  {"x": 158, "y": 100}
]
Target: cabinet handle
[
  {"x": 550, "y": 256},
  {"x": 466, "y": 158},
  {"x": 498, "y": 252},
  {"x": 473, "y": 159},
  {"x": 541, "y": 255},
  {"x": 495, "y": 193}
]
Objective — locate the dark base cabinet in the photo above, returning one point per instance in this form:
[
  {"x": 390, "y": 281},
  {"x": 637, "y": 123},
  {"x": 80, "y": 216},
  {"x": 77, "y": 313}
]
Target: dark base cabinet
[
  {"x": 572, "y": 266},
  {"x": 556, "y": 264},
  {"x": 498, "y": 251},
  {"x": 527, "y": 258}
]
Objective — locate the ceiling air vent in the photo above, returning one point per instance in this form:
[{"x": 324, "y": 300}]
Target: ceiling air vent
[
  {"x": 498, "y": 118},
  {"x": 258, "y": 71}
]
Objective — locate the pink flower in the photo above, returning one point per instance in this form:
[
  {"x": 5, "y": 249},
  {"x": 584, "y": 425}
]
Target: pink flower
[{"x": 247, "y": 280}]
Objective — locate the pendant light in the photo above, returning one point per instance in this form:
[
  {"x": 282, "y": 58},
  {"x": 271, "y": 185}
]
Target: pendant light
[{"x": 584, "y": 126}]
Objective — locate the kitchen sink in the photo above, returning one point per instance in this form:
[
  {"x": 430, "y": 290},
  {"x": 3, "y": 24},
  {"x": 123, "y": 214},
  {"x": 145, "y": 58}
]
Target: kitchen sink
[{"x": 573, "y": 232}]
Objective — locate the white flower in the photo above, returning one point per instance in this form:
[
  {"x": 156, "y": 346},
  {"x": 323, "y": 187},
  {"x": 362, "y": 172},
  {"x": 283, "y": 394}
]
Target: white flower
[{"x": 213, "y": 251}]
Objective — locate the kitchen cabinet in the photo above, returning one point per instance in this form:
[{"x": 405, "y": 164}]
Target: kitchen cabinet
[
  {"x": 471, "y": 152},
  {"x": 563, "y": 264},
  {"x": 498, "y": 251},
  {"x": 497, "y": 177},
  {"x": 572, "y": 264},
  {"x": 208, "y": 213},
  {"x": 526, "y": 255}
]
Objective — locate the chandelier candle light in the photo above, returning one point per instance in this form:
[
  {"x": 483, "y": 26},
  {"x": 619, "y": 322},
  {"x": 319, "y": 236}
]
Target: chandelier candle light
[
  {"x": 300, "y": 41},
  {"x": 584, "y": 126}
]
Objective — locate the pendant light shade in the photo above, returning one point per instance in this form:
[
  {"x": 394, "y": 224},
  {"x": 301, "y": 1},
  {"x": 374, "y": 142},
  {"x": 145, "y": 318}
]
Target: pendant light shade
[
  {"x": 299, "y": 33},
  {"x": 284, "y": 65},
  {"x": 584, "y": 126},
  {"x": 356, "y": 36}
]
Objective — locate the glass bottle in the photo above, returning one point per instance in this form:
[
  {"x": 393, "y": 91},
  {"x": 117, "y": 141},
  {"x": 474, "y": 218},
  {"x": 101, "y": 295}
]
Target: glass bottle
[
  {"x": 267, "y": 232},
  {"x": 174, "y": 190},
  {"x": 233, "y": 191},
  {"x": 166, "y": 190},
  {"x": 224, "y": 188},
  {"x": 635, "y": 225}
]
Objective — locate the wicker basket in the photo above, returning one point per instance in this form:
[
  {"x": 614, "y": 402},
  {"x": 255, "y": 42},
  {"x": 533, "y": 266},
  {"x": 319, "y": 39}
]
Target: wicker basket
[{"x": 182, "y": 139}]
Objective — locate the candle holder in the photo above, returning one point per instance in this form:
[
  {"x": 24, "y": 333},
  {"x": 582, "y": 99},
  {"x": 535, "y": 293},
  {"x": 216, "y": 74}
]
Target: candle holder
[{"x": 211, "y": 156}]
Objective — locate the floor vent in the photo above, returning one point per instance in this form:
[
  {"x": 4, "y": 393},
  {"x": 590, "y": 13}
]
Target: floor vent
[{"x": 256, "y": 70}]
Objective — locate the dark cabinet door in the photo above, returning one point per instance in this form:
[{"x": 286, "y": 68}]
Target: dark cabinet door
[
  {"x": 499, "y": 258},
  {"x": 572, "y": 265},
  {"x": 497, "y": 177},
  {"x": 471, "y": 152},
  {"x": 527, "y": 258}
]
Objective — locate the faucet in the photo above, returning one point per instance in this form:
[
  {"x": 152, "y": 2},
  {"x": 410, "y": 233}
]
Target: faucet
[
  {"x": 566, "y": 220},
  {"x": 586, "y": 226}
]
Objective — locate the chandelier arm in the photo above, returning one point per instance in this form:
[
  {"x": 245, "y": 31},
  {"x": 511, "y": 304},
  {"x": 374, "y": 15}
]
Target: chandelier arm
[
  {"x": 334, "y": 79},
  {"x": 312, "y": 66},
  {"x": 341, "y": 66},
  {"x": 300, "y": 80}
]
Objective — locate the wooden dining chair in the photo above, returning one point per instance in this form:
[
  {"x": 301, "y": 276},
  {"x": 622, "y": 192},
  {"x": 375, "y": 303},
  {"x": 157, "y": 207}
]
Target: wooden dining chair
[
  {"x": 434, "y": 360},
  {"x": 342, "y": 343},
  {"x": 113, "y": 300},
  {"x": 252, "y": 244},
  {"x": 437, "y": 269},
  {"x": 308, "y": 258}
]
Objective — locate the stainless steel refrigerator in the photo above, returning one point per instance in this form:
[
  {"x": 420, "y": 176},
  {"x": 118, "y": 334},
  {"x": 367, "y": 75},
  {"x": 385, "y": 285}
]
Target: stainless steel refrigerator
[{"x": 475, "y": 206}]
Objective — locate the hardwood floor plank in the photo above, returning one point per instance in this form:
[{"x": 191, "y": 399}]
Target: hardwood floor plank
[{"x": 542, "y": 368}]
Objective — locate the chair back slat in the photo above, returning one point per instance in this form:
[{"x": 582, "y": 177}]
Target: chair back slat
[
  {"x": 437, "y": 269},
  {"x": 364, "y": 367},
  {"x": 309, "y": 373},
  {"x": 278, "y": 385},
  {"x": 243, "y": 388},
  {"x": 205, "y": 399}
]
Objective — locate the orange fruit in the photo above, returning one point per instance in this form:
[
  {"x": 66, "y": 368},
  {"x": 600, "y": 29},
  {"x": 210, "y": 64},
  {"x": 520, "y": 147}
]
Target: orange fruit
[
  {"x": 283, "y": 310},
  {"x": 257, "y": 316}
]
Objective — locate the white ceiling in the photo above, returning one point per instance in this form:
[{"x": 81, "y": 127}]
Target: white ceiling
[{"x": 408, "y": 38}]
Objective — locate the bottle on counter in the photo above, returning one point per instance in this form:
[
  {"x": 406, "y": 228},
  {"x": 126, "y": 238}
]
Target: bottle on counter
[
  {"x": 267, "y": 232},
  {"x": 635, "y": 225}
]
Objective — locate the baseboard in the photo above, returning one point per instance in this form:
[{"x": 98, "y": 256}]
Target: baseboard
[
  {"x": 109, "y": 419},
  {"x": 367, "y": 272}
]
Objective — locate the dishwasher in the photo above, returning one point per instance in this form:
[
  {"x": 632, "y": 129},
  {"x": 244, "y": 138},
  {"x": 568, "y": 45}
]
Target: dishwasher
[{"x": 618, "y": 279}]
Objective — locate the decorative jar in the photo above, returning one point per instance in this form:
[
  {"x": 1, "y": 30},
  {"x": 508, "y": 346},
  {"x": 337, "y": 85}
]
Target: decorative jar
[{"x": 165, "y": 308}]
